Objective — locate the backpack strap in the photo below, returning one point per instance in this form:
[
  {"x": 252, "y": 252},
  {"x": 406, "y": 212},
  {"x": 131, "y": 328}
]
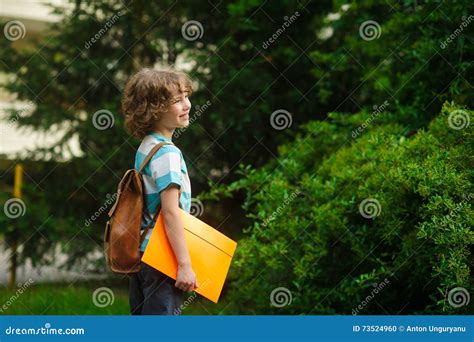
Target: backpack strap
[
  {"x": 145, "y": 162},
  {"x": 142, "y": 237},
  {"x": 151, "y": 153}
]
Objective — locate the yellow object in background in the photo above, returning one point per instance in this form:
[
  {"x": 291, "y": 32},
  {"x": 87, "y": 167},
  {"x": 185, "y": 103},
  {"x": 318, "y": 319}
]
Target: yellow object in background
[
  {"x": 18, "y": 180},
  {"x": 210, "y": 251}
]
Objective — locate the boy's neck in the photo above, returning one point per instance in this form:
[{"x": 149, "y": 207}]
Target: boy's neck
[{"x": 168, "y": 134}]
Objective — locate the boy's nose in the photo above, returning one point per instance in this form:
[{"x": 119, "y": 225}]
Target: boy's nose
[{"x": 187, "y": 105}]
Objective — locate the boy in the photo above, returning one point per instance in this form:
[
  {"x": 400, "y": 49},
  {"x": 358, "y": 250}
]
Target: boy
[{"x": 155, "y": 103}]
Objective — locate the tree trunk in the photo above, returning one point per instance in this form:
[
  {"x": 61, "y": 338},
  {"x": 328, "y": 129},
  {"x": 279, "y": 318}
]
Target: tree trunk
[{"x": 13, "y": 264}]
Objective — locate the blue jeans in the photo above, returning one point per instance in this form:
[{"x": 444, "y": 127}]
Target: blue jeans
[{"x": 153, "y": 293}]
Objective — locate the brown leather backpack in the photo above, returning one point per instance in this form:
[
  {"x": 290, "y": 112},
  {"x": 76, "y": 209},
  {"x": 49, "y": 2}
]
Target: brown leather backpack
[{"x": 122, "y": 238}]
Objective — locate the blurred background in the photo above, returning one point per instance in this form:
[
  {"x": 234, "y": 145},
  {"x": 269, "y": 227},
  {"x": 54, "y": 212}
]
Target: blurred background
[{"x": 331, "y": 139}]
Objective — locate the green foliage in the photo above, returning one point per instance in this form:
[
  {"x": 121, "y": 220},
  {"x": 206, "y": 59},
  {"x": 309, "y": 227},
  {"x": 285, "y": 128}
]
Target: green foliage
[
  {"x": 30, "y": 223},
  {"x": 407, "y": 58},
  {"x": 325, "y": 252},
  {"x": 307, "y": 233},
  {"x": 77, "y": 299},
  {"x": 53, "y": 215},
  {"x": 66, "y": 78},
  {"x": 64, "y": 299}
]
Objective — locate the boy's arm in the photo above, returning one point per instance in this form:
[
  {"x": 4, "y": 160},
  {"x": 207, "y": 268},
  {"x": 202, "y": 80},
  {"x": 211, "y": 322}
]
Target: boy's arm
[{"x": 186, "y": 278}]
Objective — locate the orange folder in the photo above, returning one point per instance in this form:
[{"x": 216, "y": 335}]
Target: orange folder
[{"x": 210, "y": 251}]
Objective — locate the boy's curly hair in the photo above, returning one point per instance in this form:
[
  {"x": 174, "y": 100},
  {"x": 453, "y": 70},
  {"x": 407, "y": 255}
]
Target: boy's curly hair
[{"x": 148, "y": 94}]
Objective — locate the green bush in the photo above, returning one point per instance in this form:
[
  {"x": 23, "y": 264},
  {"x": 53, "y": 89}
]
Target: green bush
[{"x": 403, "y": 256}]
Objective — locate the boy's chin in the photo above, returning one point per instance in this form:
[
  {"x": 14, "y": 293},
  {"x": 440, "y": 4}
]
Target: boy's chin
[{"x": 184, "y": 125}]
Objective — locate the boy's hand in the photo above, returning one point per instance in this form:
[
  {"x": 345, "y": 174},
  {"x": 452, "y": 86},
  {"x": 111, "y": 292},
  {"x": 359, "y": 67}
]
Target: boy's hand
[{"x": 186, "y": 279}]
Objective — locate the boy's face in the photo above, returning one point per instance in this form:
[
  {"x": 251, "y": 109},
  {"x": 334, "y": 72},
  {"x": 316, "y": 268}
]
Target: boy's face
[{"x": 177, "y": 115}]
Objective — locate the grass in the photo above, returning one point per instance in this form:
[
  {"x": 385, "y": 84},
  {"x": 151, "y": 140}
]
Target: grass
[
  {"x": 77, "y": 299},
  {"x": 63, "y": 299}
]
